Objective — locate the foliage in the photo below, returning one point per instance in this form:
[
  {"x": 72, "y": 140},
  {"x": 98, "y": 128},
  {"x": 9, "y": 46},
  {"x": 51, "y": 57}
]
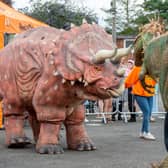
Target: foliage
[
  {"x": 159, "y": 7},
  {"x": 147, "y": 32},
  {"x": 125, "y": 11},
  {"x": 130, "y": 16},
  {"x": 153, "y": 9},
  {"x": 59, "y": 14}
]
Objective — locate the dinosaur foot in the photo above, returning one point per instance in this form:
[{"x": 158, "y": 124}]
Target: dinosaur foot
[
  {"x": 19, "y": 142},
  {"x": 50, "y": 149},
  {"x": 84, "y": 145}
]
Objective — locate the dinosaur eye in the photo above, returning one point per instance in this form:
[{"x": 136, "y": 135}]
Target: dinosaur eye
[{"x": 97, "y": 68}]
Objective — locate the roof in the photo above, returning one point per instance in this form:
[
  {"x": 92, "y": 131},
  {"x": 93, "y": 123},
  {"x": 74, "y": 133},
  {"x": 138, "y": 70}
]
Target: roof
[
  {"x": 12, "y": 21},
  {"x": 126, "y": 37}
]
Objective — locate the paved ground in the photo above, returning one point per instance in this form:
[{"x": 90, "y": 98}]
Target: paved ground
[{"x": 118, "y": 147}]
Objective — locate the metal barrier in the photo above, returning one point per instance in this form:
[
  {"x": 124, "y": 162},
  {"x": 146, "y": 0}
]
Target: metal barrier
[{"x": 158, "y": 109}]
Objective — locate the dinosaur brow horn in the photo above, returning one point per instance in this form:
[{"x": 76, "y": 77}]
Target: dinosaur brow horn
[
  {"x": 121, "y": 53},
  {"x": 101, "y": 55}
]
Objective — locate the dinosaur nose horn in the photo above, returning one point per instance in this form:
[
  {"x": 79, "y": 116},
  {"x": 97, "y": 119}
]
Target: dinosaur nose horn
[
  {"x": 121, "y": 53},
  {"x": 121, "y": 72},
  {"x": 101, "y": 55}
]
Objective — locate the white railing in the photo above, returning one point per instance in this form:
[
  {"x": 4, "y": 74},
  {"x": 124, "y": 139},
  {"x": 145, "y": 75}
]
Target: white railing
[{"x": 158, "y": 109}]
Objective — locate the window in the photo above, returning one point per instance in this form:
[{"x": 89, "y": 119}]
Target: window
[{"x": 128, "y": 42}]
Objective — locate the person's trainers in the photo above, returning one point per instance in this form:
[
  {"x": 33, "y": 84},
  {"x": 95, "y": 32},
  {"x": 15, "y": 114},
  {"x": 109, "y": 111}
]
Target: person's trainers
[
  {"x": 86, "y": 120},
  {"x": 148, "y": 136},
  {"x": 152, "y": 119},
  {"x": 141, "y": 135}
]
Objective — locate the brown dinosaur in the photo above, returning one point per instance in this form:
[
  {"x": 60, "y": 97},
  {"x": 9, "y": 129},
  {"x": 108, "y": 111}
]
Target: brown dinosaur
[{"x": 49, "y": 73}]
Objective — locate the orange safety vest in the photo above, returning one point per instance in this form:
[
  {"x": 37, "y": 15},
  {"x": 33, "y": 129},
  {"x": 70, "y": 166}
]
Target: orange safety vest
[{"x": 133, "y": 81}]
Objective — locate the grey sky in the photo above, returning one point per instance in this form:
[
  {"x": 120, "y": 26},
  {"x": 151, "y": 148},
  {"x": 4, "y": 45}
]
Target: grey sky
[
  {"x": 92, "y": 4},
  {"x": 95, "y": 5}
]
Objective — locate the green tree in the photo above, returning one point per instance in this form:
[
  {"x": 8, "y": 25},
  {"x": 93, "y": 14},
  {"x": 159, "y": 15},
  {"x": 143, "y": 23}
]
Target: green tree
[
  {"x": 125, "y": 11},
  {"x": 151, "y": 9},
  {"x": 59, "y": 14},
  {"x": 130, "y": 16}
]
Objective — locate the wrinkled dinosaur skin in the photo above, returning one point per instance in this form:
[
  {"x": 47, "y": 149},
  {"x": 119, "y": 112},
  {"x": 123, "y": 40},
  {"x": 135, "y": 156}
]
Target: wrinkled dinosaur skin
[
  {"x": 156, "y": 65},
  {"x": 49, "y": 73},
  {"x": 151, "y": 52}
]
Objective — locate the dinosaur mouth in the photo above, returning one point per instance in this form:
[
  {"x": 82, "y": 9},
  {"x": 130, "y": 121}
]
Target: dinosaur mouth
[
  {"x": 107, "y": 93},
  {"x": 113, "y": 92}
]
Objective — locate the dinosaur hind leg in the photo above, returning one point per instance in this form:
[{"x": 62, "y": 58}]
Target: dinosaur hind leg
[{"x": 14, "y": 122}]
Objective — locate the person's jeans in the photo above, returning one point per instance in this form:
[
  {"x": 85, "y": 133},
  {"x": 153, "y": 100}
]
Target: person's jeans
[{"x": 145, "y": 104}]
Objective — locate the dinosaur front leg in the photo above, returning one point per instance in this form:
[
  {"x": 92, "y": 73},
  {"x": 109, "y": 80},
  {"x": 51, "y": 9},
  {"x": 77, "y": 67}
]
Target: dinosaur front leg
[
  {"x": 50, "y": 119},
  {"x": 48, "y": 142},
  {"x": 77, "y": 138}
]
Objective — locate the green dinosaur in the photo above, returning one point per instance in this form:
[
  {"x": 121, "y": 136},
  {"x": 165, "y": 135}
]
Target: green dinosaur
[
  {"x": 163, "y": 164},
  {"x": 151, "y": 52},
  {"x": 156, "y": 65}
]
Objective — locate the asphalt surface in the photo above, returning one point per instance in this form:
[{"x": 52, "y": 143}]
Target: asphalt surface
[{"x": 118, "y": 146}]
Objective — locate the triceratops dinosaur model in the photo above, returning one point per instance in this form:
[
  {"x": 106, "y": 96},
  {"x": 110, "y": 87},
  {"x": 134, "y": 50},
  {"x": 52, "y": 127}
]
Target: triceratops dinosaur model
[{"x": 49, "y": 73}]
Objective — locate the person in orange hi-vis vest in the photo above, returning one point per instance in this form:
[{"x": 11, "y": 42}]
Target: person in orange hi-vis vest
[{"x": 143, "y": 90}]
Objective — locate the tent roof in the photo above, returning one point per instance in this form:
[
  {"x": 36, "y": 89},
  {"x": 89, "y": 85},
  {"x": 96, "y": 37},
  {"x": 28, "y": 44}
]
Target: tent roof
[{"x": 12, "y": 21}]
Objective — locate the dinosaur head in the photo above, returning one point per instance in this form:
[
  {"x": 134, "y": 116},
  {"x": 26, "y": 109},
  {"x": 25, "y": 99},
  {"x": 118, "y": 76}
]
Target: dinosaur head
[
  {"x": 147, "y": 32},
  {"x": 88, "y": 55},
  {"x": 104, "y": 80}
]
